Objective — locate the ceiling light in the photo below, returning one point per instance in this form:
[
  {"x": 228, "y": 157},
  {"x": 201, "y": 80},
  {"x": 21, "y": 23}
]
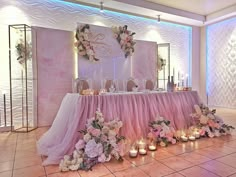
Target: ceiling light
[
  {"x": 158, "y": 18},
  {"x": 101, "y": 7}
]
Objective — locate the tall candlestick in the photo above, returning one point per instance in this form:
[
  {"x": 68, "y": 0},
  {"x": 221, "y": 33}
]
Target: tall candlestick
[
  {"x": 174, "y": 73},
  {"x": 4, "y": 108},
  {"x": 186, "y": 80},
  {"x": 178, "y": 76}
]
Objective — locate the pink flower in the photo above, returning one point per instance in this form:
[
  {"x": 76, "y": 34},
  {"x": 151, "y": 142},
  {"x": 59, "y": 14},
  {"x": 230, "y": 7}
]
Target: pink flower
[
  {"x": 202, "y": 132},
  {"x": 80, "y": 144},
  {"x": 115, "y": 36},
  {"x": 102, "y": 158},
  {"x": 95, "y": 132},
  {"x": 162, "y": 134},
  {"x": 173, "y": 141}
]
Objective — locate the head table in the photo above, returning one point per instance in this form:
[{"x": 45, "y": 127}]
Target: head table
[{"x": 134, "y": 109}]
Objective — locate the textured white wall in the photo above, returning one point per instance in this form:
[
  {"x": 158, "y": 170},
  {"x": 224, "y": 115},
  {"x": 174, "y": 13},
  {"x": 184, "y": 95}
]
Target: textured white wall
[
  {"x": 62, "y": 15},
  {"x": 221, "y": 63}
]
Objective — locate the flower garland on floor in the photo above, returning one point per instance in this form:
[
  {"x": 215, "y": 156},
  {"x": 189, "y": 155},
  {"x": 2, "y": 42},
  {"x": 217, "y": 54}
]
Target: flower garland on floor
[
  {"x": 162, "y": 132},
  {"x": 100, "y": 142},
  {"x": 125, "y": 39},
  {"x": 83, "y": 43},
  {"x": 23, "y": 51},
  {"x": 208, "y": 123}
]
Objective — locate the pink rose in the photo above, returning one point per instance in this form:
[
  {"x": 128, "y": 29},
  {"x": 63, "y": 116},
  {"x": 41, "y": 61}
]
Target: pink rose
[
  {"x": 173, "y": 141},
  {"x": 95, "y": 132},
  {"x": 80, "y": 144},
  {"x": 102, "y": 158},
  {"x": 162, "y": 134}
]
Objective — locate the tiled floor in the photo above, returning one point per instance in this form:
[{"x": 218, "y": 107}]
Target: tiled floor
[{"x": 206, "y": 157}]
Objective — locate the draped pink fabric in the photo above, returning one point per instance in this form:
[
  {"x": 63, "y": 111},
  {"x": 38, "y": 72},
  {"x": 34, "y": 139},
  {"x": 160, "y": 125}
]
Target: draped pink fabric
[{"x": 135, "y": 110}]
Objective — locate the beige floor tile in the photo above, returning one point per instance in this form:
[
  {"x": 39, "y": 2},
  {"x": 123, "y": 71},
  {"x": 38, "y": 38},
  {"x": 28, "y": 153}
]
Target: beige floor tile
[
  {"x": 197, "y": 172},
  {"x": 156, "y": 169},
  {"x": 218, "y": 168},
  {"x": 97, "y": 171},
  {"x": 177, "y": 163},
  {"x": 32, "y": 171},
  {"x": 131, "y": 172}
]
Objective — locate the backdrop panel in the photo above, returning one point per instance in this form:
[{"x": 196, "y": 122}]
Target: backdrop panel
[
  {"x": 112, "y": 62},
  {"x": 55, "y": 71}
]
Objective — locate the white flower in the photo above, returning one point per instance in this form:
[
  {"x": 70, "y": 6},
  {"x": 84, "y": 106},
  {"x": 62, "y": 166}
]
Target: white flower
[
  {"x": 111, "y": 134},
  {"x": 74, "y": 167},
  {"x": 87, "y": 137},
  {"x": 105, "y": 130},
  {"x": 123, "y": 36}
]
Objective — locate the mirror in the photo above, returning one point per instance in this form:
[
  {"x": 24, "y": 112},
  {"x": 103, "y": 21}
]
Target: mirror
[{"x": 163, "y": 64}]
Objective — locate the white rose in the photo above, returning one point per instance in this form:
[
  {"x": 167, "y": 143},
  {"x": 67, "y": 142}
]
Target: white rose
[
  {"x": 87, "y": 137},
  {"x": 79, "y": 160},
  {"x": 105, "y": 129},
  {"x": 74, "y": 167}
]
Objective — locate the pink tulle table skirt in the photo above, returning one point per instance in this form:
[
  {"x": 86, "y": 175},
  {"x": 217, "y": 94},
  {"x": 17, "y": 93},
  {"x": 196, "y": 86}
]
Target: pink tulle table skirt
[{"x": 135, "y": 110}]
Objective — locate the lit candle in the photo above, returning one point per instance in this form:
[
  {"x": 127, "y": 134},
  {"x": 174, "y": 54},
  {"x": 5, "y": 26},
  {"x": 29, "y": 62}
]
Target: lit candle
[
  {"x": 142, "y": 151},
  {"x": 184, "y": 138},
  {"x": 197, "y": 134},
  {"x": 133, "y": 152},
  {"x": 152, "y": 147},
  {"x": 192, "y": 138}
]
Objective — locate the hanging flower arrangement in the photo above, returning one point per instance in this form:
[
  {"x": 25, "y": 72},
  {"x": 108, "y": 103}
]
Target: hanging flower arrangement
[
  {"x": 160, "y": 63},
  {"x": 99, "y": 144},
  {"x": 23, "y": 51},
  {"x": 83, "y": 43},
  {"x": 125, "y": 39}
]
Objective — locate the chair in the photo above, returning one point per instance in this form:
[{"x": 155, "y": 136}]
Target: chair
[
  {"x": 79, "y": 85},
  {"x": 108, "y": 84},
  {"x": 131, "y": 84},
  {"x": 149, "y": 84}
]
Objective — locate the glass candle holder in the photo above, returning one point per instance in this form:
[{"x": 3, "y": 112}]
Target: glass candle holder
[
  {"x": 152, "y": 146},
  {"x": 192, "y": 138},
  {"x": 142, "y": 144},
  {"x": 133, "y": 152},
  {"x": 143, "y": 151}
]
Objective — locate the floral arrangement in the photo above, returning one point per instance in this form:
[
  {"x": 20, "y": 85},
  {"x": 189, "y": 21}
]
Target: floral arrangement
[
  {"x": 83, "y": 42},
  {"x": 125, "y": 39},
  {"x": 23, "y": 51},
  {"x": 161, "y": 63},
  {"x": 208, "y": 123},
  {"x": 100, "y": 142},
  {"x": 162, "y": 132}
]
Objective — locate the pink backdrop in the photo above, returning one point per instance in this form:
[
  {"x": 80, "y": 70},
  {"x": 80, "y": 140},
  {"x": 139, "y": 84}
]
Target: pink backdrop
[
  {"x": 113, "y": 64},
  {"x": 55, "y": 71}
]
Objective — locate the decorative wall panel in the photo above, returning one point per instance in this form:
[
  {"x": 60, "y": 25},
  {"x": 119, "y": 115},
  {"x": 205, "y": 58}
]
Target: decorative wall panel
[{"x": 221, "y": 64}]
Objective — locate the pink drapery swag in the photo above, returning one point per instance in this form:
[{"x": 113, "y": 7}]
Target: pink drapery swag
[{"x": 134, "y": 110}]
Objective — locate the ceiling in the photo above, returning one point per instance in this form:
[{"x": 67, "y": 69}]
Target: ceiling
[
  {"x": 202, "y": 7},
  {"x": 188, "y": 12}
]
